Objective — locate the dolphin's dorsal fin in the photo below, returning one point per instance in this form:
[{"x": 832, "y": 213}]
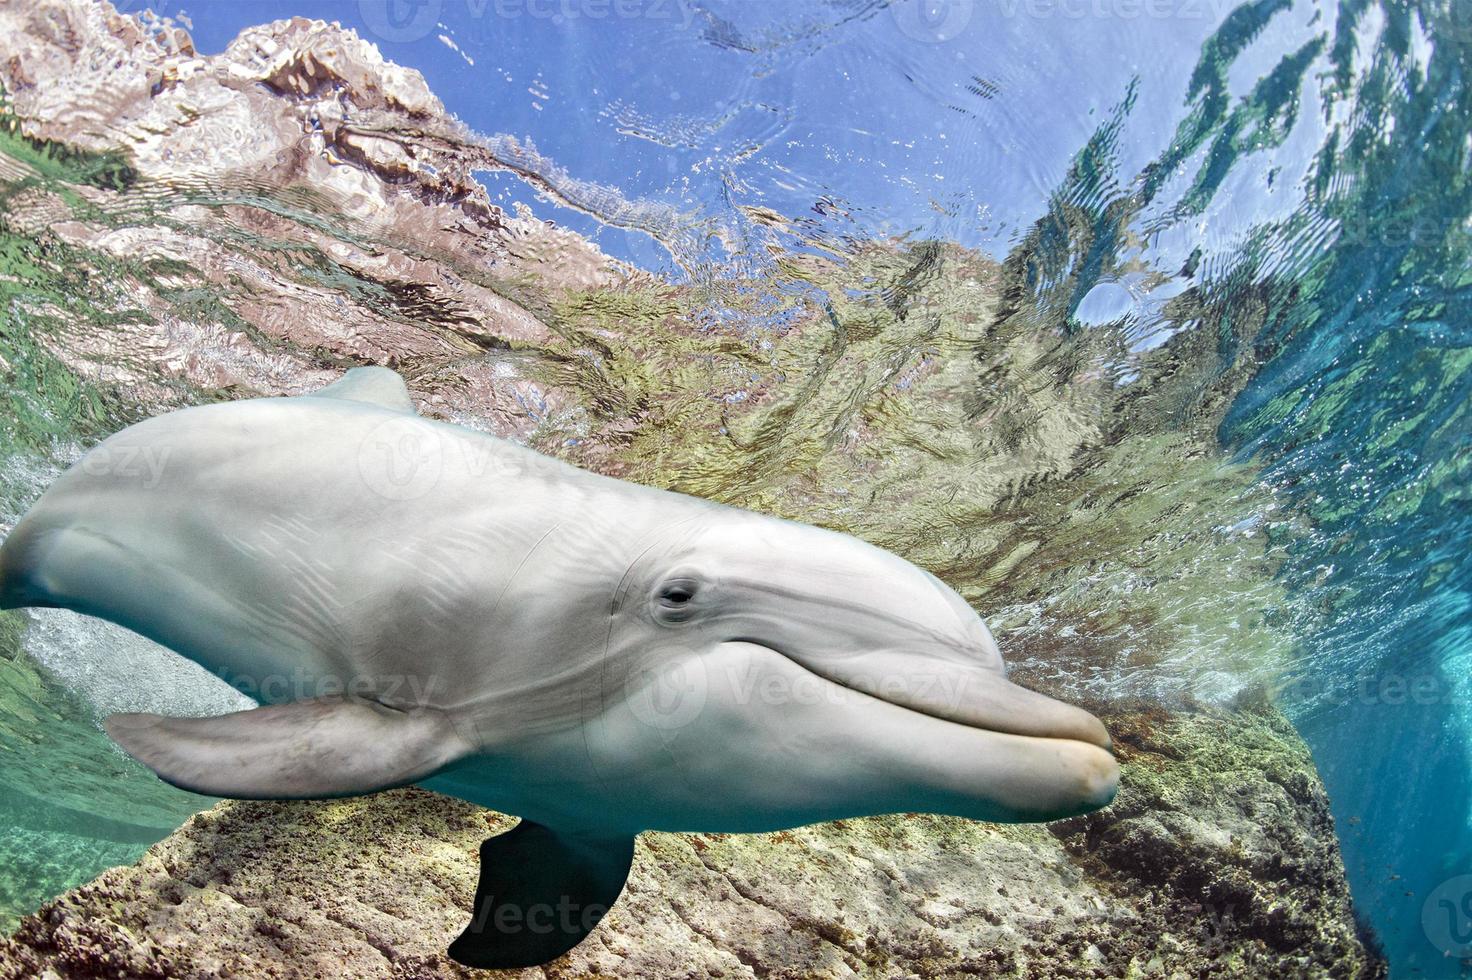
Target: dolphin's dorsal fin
[
  {"x": 371, "y": 385},
  {"x": 336, "y": 746},
  {"x": 541, "y": 892}
]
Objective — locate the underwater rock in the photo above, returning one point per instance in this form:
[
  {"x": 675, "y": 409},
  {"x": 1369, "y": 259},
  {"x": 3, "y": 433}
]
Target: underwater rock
[
  {"x": 299, "y": 134},
  {"x": 238, "y": 231},
  {"x": 1218, "y": 859}
]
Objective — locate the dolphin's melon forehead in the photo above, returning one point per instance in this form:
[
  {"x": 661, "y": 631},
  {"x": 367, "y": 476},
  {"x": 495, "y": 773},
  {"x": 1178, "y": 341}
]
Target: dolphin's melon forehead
[
  {"x": 737, "y": 540},
  {"x": 801, "y": 563}
]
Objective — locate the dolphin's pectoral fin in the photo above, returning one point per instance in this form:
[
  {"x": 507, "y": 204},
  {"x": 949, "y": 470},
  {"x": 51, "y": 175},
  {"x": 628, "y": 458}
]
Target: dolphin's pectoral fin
[
  {"x": 335, "y": 746},
  {"x": 372, "y": 385},
  {"x": 540, "y": 894}
]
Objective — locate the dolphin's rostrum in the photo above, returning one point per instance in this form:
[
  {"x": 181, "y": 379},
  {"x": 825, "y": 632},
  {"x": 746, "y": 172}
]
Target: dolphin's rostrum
[{"x": 416, "y": 602}]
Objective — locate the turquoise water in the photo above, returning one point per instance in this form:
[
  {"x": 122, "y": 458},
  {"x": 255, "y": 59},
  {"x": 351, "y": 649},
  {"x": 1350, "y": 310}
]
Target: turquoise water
[
  {"x": 1361, "y": 412},
  {"x": 1251, "y": 220}
]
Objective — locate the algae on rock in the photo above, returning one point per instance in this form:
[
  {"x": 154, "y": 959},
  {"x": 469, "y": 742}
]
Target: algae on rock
[
  {"x": 916, "y": 394},
  {"x": 1218, "y": 859}
]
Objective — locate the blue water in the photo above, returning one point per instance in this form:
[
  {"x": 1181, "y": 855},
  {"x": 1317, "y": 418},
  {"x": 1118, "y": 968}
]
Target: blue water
[{"x": 1299, "y": 169}]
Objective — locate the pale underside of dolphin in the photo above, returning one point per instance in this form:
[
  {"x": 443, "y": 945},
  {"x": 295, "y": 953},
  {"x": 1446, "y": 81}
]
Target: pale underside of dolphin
[{"x": 415, "y": 602}]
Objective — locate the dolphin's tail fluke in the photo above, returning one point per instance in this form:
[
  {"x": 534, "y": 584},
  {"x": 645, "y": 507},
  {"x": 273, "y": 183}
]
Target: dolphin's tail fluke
[{"x": 541, "y": 892}]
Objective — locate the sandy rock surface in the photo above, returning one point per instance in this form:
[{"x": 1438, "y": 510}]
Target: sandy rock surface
[{"x": 1217, "y": 860}]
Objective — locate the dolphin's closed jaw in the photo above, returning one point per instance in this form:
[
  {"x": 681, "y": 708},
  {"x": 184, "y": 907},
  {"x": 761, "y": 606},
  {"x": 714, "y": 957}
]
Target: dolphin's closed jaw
[
  {"x": 1022, "y": 712},
  {"x": 1008, "y": 777},
  {"x": 1022, "y": 755},
  {"x": 861, "y": 752},
  {"x": 1055, "y": 758},
  {"x": 972, "y": 695}
]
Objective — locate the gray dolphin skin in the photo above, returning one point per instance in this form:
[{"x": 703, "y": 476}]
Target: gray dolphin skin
[{"x": 411, "y": 601}]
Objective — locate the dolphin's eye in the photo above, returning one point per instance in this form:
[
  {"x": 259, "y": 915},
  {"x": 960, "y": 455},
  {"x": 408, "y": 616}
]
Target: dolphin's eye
[
  {"x": 677, "y": 593},
  {"x": 675, "y": 600}
]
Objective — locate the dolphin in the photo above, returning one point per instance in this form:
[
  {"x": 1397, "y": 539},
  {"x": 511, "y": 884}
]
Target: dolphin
[{"x": 414, "y": 602}]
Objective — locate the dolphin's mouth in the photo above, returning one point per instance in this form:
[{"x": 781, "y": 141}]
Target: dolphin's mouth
[
  {"x": 1009, "y": 755},
  {"x": 972, "y": 695}
]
